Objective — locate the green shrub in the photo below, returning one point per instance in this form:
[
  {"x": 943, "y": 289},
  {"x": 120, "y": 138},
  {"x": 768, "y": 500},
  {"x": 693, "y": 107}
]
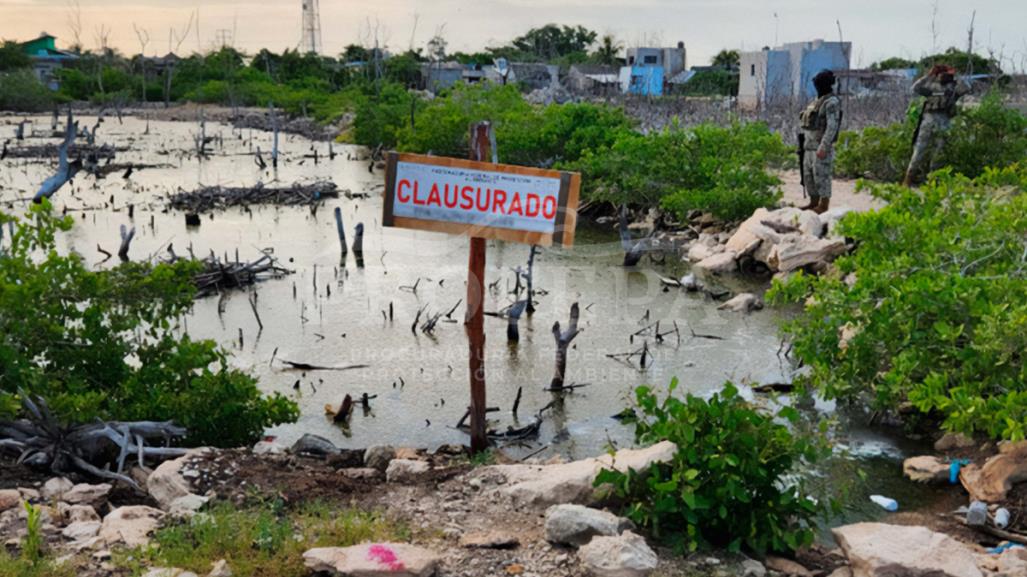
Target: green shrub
[
  {"x": 103, "y": 344},
  {"x": 21, "y": 91},
  {"x": 732, "y": 482},
  {"x": 931, "y": 309}
]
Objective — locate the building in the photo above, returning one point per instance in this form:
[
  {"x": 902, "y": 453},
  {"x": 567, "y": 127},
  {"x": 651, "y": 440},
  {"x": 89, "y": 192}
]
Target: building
[
  {"x": 672, "y": 60},
  {"x": 875, "y": 82},
  {"x": 785, "y": 74},
  {"x": 596, "y": 79},
  {"x": 642, "y": 80},
  {"x": 47, "y": 60}
]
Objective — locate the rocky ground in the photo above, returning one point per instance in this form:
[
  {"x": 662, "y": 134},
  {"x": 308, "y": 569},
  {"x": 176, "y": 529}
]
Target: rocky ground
[{"x": 530, "y": 519}]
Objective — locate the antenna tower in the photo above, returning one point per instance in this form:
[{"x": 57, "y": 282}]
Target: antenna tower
[{"x": 311, "y": 41}]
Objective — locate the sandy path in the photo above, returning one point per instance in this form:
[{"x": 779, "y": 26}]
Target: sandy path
[{"x": 843, "y": 194}]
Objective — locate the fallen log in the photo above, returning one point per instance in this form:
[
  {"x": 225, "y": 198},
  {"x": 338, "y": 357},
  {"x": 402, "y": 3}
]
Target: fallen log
[
  {"x": 220, "y": 197},
  {"x": 219, "y": 275}
]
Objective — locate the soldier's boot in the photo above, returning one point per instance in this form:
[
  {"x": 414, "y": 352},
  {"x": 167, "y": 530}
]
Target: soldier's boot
[
  {"x": 813, "y": 202},
  {"x": 823, "y": 206}
]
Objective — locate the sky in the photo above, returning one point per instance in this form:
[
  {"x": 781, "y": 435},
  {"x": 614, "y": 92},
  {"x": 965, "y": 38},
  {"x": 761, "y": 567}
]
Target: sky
[{"x": 877, "y": 28}]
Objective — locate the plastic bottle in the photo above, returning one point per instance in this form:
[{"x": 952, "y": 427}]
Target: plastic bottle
[
  {"x": 1002, "y": 518},
  {"x": 978, "y": 514},
  {"x": 886, "y": 503}
]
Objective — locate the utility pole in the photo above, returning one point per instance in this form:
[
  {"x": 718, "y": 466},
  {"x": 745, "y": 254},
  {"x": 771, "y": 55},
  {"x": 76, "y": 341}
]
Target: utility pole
[
  {"x": 311, "y": 38},
  {"x": 223, "y": 38}
]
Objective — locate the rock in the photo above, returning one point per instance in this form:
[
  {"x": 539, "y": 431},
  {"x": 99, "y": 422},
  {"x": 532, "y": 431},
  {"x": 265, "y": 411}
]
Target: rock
[
  {"x": 950, "y": 441},
  {"x": 572, "y": 482},
  {"x": 841, "y": 572},
  {"x": 753, "y": 568},
  {"x": 55, "y": 488},
  {"x": 720, "y": 263},
  {"x": 788, "y": 219},
  {"x": 369, "y": 559},
  {"x": 926, "y": 469},
  {"x": 81, "y": 530},
  {"x": 408, "y": 453},
  {"x": 30, "y": 495},
  {"x": 405, "y": 470},
  {"x": 742, "y": 303},
  {"x": 220, "y": 569},
  {"x": 130, "y": 525},
  {"x": 490, "y": 540},
  {"x": 881, "y": 550},
  {"x": 315, "y": 446},
  {"x": 187, "y": 505},
  {"x": 268, "y": 448},
  {"x": 993, "y": 481},
  {"x": 831, "y": 218},
  {"x": 690, "y": 283},
  {"x": 361, "y": 473},
  {"x": 77, "y": 513},
  {"x": 701, "y": 251},
  {"x": 9, "y": 499},
  {"x": 626, "y": 555},
  {"x": 787, "y": 567},
  {"x": 576, "y": 525},
  {"x": 85, "y": 494},
  {"x": 378, "y": 457},
  {"x": 1013, "y": 561},
  {"x": 166, "y": 483},
  {"x": 798, "y": 251},
  {"x": 168, "y": 572}
]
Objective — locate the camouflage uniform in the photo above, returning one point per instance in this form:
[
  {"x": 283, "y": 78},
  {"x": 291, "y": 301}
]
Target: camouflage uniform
[
  {"x": 820, "y": 125},
  {"x": 939, "y": 109}
]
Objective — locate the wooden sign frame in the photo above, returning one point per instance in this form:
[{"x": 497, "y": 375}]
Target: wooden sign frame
[{"x": 566, "y": 210}]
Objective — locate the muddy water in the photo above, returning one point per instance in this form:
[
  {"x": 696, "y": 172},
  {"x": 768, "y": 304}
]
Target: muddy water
[{"x": 330, "y": 312}]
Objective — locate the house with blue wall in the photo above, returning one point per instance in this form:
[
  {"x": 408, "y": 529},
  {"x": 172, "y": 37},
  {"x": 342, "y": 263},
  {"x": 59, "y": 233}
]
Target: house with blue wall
[
  {"x": 785, "y": 74},
  {"x": 47, "y": 60}
]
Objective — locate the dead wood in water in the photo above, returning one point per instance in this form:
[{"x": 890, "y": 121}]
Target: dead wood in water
[
  {"x": 563, "y": 340},
  {"x": 309, "y": 367},
  {"x": 219, "y": 275},
  {"x": 220, "y": 197}
]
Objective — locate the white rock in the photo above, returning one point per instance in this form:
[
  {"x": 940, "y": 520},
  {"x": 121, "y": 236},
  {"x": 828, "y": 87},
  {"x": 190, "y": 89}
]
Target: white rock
[
  {"x": 77, "y": 513},
  {"x": 371, "y": 559},
  {"x": 753, "y": 568},
  {"x": 1013, "y": 561},
  {"x": 742, "y": 303},
  {"x": 881, "y": 550},
  {"x": 379, "y": 457},
  {"x": 798, "y": 251},
  {"x": 166, "y": 483},
  {"x": 9, "y": 499},
  {"x": 86, "y": 494},
  {"x": 787, "y": 567},
  {"x": 81, "y": 530},
  {"x": 187, "y": 505},
  {"x": 992, "y": 481},
  {"x": 268, "y": 448},
  {"x": 720, "y": 263},
  {"x": 220, "y": 569},
  {"x": 701, "y": 251},
  {"x": 360, "y": 473},
  {"x": 55, "y": 488},
  {"x": 806, "y": 222},
  {"x": 168, "y": 572},
  {"x": 405, "y": 470},
  {"x": 576, "y": 525},
  {"x": 950, "y": 441},
  {"x": 626, "y": 555},
  {"x": 30, "y": 495},
  {"x": 130, "y": 525},
  {"x": 926, "y": 469}
]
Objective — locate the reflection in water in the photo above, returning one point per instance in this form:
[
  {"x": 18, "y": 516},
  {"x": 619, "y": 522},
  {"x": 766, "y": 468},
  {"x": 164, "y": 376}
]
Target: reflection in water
[{"x": 332, "y": 312}]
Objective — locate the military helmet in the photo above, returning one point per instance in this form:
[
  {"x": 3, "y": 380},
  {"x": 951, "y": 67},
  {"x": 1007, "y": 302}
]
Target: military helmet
[{"x": 824, "y": 81}]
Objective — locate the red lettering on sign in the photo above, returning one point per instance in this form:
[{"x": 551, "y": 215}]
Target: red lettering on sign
[
  {"x": 483, "y": 206},
  {"x": 451, "y": 200},
  {"x": 515, "y": 206},
  {"x": 499, "y": 201},
  {"x": 417, "y": 199},
  {"x": 399, "y": 191},
  {"x": 531, "y": 210},
  {"x": 466, "y": 200},
  {"x": 433, "y": 196},
  {"x": 549, "y": 208}
]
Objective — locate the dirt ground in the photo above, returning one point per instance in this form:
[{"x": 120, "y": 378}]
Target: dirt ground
[{"x": 843, "y": 194}]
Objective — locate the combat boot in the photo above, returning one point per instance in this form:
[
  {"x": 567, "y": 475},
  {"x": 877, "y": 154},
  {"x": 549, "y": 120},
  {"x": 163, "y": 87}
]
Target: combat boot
[
  {"x": 823, "y": 205},
  {"x": 813, "y": 202}
]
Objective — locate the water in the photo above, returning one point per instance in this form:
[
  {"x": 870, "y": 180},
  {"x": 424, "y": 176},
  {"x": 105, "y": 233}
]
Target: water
[{"x": 348, "y": 328}]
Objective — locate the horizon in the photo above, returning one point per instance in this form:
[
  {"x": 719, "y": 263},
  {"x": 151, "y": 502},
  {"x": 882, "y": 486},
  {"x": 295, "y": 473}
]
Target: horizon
[{"x": 912, "y": 30}]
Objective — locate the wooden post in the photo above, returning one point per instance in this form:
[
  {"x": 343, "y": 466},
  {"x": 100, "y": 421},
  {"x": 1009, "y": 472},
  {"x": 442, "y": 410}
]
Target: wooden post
[{"x": 475, "y": 319}]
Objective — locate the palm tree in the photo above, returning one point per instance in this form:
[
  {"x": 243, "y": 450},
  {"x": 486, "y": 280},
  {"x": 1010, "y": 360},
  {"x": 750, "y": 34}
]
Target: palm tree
[
  {"x": 608, "y": 50},
  {"x": 727, "y": 59}
]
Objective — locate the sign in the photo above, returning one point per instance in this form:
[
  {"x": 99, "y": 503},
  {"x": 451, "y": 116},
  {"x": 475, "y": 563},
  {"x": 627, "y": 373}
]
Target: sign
[{"x": 481, "y": 199}]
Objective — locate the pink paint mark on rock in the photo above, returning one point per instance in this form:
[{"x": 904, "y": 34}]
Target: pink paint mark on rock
[{"x": 385, "y": 556}]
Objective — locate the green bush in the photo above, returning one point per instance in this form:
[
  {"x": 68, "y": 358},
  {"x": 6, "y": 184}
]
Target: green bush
[
  {"x": 21, "y": 91},
  {"x": 708, "y": 168},
  {"x": 987, "y": 135},
  {"x": 733, "y": 481},
  {"x": 103, "y": 344},
  {"x": 931, "y": 309}
]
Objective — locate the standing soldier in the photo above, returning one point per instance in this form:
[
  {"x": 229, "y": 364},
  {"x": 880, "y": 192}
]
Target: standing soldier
[
  {"x": 820, "y": 122},
  {"x": 942, "y": 92}
]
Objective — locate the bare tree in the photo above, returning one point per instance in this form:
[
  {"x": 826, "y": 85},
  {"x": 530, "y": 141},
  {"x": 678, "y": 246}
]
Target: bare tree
[
  {"x": 144, "y": 38},
  {"x": 75, "y": 24},
  {"x": 102, "y": 35}
]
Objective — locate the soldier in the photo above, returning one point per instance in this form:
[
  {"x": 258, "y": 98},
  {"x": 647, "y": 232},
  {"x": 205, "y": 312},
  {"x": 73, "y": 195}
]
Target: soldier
[
  {"x": 820, "y": 122},
  {"x": 942, "y": 92}
]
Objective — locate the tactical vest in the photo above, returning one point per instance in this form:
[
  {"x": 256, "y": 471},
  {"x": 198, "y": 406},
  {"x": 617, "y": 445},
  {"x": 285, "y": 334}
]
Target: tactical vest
[
  {"x": 814, "y": 118},
  {"x": 943, "y": 102}
]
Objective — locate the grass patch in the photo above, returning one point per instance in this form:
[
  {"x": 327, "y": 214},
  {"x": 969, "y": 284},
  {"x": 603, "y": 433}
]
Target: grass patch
[
  {"x": 265, "y": 540},
  {"x": 23, "y": 567}
]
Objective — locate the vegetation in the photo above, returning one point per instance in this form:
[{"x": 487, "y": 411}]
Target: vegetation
[
  {"x": 21, "y": 91},
  {"x": 12, "y": 56},
  {"x": 104, "y": 344},
  {"x": 264, "y": 540},
  {"x": 33, "y": 560},
  {"x": 732, "y": 482},
  {"x": 713, "y": 83},
  {"x": 989, "y": 134},
  {"x": 961, "y": 60},
  {"x": 931, "y": 310}
]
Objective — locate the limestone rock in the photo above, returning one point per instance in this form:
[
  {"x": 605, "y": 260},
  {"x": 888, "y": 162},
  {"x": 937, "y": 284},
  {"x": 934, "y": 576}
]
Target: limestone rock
[
  {"x": 55, "y": 488},
  {"x": 30, "y": 495},
  {"x": 573, "y": 482},
  {"x": 926, "y": 469},
  {"x": 378, "y": 457},
  {"x": 130, "y": 525},
  {"x": 187, "y": 505},
  {"x": 702, "y": 251},
  {"x": 798, "y": 251},
  {"x": 881, "y": 550},
  {"x": 85, "y": 494},
  {"x": 490, "y": 540},
  {"x": 9, "y": 499},
  {"x": 77, "y": 513},
  {"x": 370, "y": 559},
  {"x": 951, "y": 441},
  {"x": 576, "y": 525},
  {"x": 405, "y": 470},
  {"x": 1013, "y": 561},
  {"x": 991, "y": 482},
  {"x": 742, "y": 303},
  {"x": 626, "y": 555},
  {"x": 408, "y": 453},
  {"x": 220, "y": 569},
  {"x": 753, "y": 568},
  {"x": 841, "y": 572},
  {"x": 360, "y": 473},
  {"x": 168, "y": 572},
  {"x": 166, "y": 483},
  {"x": 720, "y": 263},
  {"x": 787, "y": 567},
  {"x": 269, "y": 448}
]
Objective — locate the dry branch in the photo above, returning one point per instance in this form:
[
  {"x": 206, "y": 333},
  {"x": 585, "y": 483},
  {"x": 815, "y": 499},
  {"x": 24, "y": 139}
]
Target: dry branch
[{"x": 219, "y": 197}]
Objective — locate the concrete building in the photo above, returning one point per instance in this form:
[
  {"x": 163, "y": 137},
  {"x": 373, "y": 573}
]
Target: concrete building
[
  {"x": 47, "y": 60},
  {"x": 785, "y": 74},
  {"x": 595, "y": 79},
  {"x": 672, "y": 60}
]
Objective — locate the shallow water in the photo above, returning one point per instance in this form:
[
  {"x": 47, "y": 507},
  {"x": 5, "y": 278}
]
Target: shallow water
[{"x": 303, "y": 323}]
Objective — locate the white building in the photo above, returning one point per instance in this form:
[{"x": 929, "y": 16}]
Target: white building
[{"x": 785, "y": 74}]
